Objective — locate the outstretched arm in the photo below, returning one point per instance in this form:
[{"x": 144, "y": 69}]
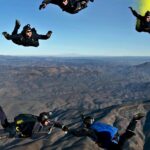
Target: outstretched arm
[
  {"x": 82, "y": 132},
  {"x": 58, "y": 125},
  {"x": 61, "y": 126},
  {"x": 43, "y": 37},
  {"x": 78, "y": 133},
  {"x": 135, "y": 13}
]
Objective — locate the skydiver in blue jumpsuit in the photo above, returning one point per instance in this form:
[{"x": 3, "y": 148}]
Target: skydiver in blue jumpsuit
[{"x": 104, "y": 135}]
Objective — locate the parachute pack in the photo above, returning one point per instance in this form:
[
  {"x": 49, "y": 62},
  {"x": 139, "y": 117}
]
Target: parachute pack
[
  {"x": 102, "y": 127},
  {"x": 138, "y": 25},
  {"x": 22, "y": 119}
]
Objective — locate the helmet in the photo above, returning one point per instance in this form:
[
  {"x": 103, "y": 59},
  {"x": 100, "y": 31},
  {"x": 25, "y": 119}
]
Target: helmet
[
  {"x": 44, "y": 116},
  {"x": 147, "y": 13},
  {"x": 88, "y": 120},
  {"x": 26, "y": 27}
]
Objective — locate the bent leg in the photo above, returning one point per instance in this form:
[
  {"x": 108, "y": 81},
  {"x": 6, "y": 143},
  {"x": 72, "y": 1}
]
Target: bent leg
[
  {"x": 15, "y": 31},
  {"x": 17, "y": 26},
  {"x": 3, "y": 118},
  {"x": 129, "y": 133}
]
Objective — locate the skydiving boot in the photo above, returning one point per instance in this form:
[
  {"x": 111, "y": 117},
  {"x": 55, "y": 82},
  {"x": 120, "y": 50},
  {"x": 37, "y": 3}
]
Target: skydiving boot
[
  {"x": 17, "y": 24},
  {"x": 138, "y": 116},
  {"x": 3, "y": 118},
  {"x": 49, "y": 33},
  {"x": 131, "y": 127}
]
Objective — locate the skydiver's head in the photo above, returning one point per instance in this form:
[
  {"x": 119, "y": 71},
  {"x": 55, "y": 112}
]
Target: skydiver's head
[
  {"x": 147, "y": 16},
  {"x": 88, "y": 121},
  {"x": 27, "y": 31},
  {"x": 44, "y": 117}
]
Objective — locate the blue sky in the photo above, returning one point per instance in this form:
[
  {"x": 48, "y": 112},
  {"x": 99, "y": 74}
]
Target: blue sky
[{"x": 105, "y": 28}]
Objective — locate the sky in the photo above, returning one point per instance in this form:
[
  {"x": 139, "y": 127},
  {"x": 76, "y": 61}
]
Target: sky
[{"x": 105, "y": 28}]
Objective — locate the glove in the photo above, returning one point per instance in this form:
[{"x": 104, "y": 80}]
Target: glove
[
  {"x": 65, "y": 128},
  {"x": 130, "y": 8},
  {"x": 49, "y": 34},
  {"x": 42, "y": 6}
]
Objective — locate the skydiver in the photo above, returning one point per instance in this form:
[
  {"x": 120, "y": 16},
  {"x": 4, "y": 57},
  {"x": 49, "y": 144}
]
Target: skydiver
[
  {"x": 70, "y": 6},
  {"x": 144, "y": 21},
  {"x": 104, "y": 135},
  {"x": 28, "y": 125},
  {"x": 28, "y": 36}
]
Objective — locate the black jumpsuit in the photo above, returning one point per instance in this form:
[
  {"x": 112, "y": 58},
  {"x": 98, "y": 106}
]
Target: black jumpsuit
[{"x": 25, "y": 41}]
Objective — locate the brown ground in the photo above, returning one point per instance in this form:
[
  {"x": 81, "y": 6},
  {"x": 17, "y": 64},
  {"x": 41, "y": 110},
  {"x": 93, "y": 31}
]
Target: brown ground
[{"x": 111, "y": 91}]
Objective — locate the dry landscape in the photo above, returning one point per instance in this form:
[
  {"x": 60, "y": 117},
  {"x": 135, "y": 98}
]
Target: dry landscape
[{"x": 110, "y": 89}]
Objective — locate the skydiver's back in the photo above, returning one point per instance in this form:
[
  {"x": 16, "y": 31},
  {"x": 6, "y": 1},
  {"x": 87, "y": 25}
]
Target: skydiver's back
[
  {"x": 105, "y": 133},
  {"x": 25, "y": 124}
]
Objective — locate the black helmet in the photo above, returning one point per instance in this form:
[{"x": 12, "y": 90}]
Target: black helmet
[
  {"x": 147, "y": 13},
  {"x": 88, "y": 120},
  {"x": 27, "y": 27},
  {"x": 44, "y": 116}
]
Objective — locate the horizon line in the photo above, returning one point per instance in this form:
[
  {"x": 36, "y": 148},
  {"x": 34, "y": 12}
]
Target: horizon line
[{"x": 75, "y": 56}]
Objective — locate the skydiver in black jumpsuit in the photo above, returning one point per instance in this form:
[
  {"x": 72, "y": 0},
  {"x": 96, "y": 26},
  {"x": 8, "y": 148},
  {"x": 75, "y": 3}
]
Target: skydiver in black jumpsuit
[
  {"x": 28, "y": 36},
  {"x": 144, "y": 25},
  {"x": 28, "y": 125},
  {"x": 70, "y": 6}
]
